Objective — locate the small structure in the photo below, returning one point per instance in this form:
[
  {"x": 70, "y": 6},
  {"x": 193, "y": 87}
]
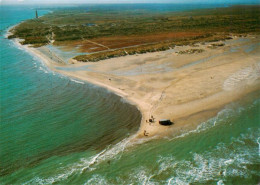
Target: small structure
[
  {"x": 165, "y": 122},
  {"x": 36, "y": 14}
]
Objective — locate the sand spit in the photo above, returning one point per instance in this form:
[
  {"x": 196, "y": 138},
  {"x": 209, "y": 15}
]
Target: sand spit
[{"x": 185, "y": 88}]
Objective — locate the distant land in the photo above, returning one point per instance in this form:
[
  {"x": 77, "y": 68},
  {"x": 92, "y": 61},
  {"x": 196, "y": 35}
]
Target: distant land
[{"x": 113, "y": 33}]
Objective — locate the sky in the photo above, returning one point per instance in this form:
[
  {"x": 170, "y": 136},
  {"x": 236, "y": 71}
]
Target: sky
[{"x": 123, "y": 1}]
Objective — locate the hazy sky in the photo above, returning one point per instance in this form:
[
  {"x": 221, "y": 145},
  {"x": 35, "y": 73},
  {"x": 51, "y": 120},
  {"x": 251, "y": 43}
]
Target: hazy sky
[{"x": 122, "y": 1}]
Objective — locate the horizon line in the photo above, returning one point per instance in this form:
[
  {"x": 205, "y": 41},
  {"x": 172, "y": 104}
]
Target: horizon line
[{"x": 204, "y": 3}]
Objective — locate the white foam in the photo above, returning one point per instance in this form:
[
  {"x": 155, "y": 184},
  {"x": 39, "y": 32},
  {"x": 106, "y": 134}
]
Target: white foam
[
  {"x": 51, "y": 180},
  {"x": 88, "y": 164},
  {"x": 211, "y": 165},
  {"x": 214, "y": 164},
  {"x": 230, "y": 161},
  {"x": 76, "y": 81},
  {"x": 44, "y": 70},
  {"x": 141, "y": 175},
  {"x": 258, "y": 142},
  {"x": 176, "y": 181},
  {"x": 225, "y": 114},
  {"x": 97, "y": 180},
  {"x": 203, "y": 126},
  {"x": 36, "y": 59},
  {"x": 220, "y": 182},
  {"x": 91, "y": 161}
]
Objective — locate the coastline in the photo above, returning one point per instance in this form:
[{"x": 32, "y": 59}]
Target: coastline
[
  {"x": 187, "y": 114},
  {"x": 61, "y": 128},
  {"x": 51, "y": 64}
]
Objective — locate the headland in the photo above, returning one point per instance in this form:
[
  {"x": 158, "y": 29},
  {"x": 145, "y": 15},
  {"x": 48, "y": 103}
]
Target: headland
[
  {"x": 187, "y": 78},
  {"x": 186, "y": 88}
]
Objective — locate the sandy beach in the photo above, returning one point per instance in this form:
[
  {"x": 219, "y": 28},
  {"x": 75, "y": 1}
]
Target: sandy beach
[{"x": 186, "y": 88}]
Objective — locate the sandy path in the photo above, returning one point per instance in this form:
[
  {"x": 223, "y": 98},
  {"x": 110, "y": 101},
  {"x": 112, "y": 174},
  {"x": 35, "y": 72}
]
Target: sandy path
[{"x": 97, "y": 44}]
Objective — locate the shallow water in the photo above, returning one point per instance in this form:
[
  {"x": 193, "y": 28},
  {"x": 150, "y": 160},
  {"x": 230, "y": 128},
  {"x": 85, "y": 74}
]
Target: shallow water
[
  {"x": 44, "y": 114},
  {"x": 64, "y": 55},
  {"x": 57, "y": 130}
]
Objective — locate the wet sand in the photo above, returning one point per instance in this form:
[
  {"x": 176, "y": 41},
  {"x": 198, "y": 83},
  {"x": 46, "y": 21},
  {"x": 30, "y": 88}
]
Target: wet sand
[{"x": 186, "y": 88}]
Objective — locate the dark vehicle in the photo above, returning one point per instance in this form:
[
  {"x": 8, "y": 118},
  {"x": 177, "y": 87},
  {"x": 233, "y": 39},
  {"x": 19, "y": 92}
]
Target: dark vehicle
[{"x": 165, "y": 122}]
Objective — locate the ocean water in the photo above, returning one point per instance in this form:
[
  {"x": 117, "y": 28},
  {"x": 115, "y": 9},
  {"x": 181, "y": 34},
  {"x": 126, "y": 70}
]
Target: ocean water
[
  {"x": 57, "y": 130},
  {"x": 44, "y": 114}
]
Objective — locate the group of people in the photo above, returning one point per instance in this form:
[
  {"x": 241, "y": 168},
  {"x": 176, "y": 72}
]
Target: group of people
[{"x": 151, "y": 120}]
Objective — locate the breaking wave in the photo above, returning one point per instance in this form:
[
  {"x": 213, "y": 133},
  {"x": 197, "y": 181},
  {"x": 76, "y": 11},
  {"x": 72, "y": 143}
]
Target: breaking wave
[{"x": 218, "y": 164}]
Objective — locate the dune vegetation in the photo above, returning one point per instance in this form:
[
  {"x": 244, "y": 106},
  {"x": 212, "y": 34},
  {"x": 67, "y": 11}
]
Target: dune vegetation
[{"x": 112, "y": 33}]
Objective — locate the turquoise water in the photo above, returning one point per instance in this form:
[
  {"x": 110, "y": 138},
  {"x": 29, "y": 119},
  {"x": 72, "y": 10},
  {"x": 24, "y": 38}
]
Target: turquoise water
[
  {"x": 44, "y": 114},
  {"x": 56, "y": 130}
]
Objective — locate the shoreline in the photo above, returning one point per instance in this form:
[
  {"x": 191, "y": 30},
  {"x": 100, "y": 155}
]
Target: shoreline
[
  {"x": 50, "y": 64},
  {"x": 72, "y": 122},
  {"x": 185, "y": 115}
]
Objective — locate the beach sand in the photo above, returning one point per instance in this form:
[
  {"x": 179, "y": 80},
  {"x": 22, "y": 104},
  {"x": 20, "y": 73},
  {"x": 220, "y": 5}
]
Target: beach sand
[{"x": 188, "y": 89}]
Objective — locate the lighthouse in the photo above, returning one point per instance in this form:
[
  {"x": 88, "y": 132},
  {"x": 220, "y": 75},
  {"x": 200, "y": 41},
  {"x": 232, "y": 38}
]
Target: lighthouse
[{"x": 36, "y": 14}]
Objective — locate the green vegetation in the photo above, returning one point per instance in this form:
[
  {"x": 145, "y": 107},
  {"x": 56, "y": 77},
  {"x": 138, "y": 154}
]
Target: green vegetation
[
  {"x": 191, "y": 51},
  {"x": 65, "y": 26},
  {"x": 123, "y": 52},
  {"x": 94, "y": 57}
]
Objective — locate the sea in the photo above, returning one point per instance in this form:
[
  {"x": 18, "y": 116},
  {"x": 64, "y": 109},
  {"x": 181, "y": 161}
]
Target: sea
[{"x": 59, "y": 130}]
